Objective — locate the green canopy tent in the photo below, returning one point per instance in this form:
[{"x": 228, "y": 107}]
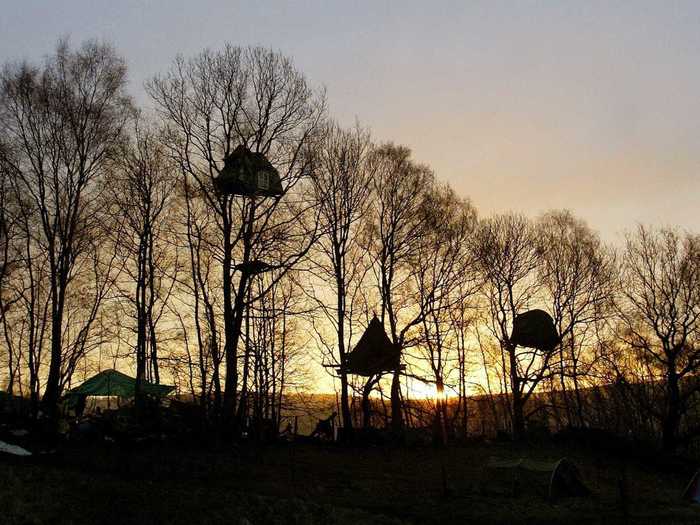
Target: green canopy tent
[
  {"x": 546, "y": 479},
  {"x": 113, "y": 383}
]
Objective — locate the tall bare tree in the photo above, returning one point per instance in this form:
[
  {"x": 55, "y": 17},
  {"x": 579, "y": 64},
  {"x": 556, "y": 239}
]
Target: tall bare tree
[
  {"x": 342, "y": 185},
  {"x": 508, "y": 256},
  {"x": 201, "y": 292},
  {"x": 254, "y": 97},
  {"x": 65, "y": 119},
  {"x": 274, "y": 341},
  {"x": 578, "y": 278},
  {"x": 445, "y": 281},
  {"x": 660, "y": 313},
  {"x": 10, "y": 256},
  {"x": 141, "y": 192},
  {"x": 400, "y": 186}
]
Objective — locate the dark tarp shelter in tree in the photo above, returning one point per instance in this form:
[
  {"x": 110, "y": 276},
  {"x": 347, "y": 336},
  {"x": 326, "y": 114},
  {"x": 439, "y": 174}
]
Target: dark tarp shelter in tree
[
  {"x": 551, "y": 480},
  {"x": 374, "y": 353},
  {"x": 113, "y": 383},
  {"x": 535, "y": 329},
  {"x": 253, "y": 267},
  {"x": 248, "y": 173}
]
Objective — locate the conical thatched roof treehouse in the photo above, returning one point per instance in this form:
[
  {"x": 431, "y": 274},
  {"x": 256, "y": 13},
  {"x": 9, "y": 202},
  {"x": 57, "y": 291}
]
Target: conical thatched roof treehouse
[
  {"x": 373, "y": 356},
  {"x": 249, "y": 174},
  {"x": 374, "y": 353}
]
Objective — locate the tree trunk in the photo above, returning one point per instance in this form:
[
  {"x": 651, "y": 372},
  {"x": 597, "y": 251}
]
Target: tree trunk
[
  {"x": 233, "y": 333},
  {"x": 338, "y": 263},
  {"x": 234, "y": 321},
  {"x": 564, "y": 390},
  {"x": 53, "y": 388},
  {"x": 230, "y": 355},
  {"x": 345, "y": 402},
  {"x": 441, "y": 411},
  {"x": 140, "y": 297},
  {"x": 366, "y": 404},
  {"x": 396, "y": 412},
  {"x": 672, "y": 417},
  {"x": 243, "y": 401},
  {"x": 517, "y": 404}
]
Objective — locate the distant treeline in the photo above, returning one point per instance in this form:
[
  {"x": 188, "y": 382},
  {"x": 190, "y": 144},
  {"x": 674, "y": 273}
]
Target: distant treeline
[{"x": 117, "y": 249}]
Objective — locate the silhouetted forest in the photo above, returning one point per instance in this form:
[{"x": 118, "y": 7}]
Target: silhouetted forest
[{"x": 119, "y": 249}]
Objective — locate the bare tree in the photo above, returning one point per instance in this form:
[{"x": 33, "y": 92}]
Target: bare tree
[
  {"x": 10, "y": 257},
  {"x": 64, "y": 119},
  {"x": 660, "y": 312},
  {"x": 203, "y": 287},
  {"x": 274, "y": 341},
  {"x": 508, "y": 257},
  {"x": 342, "y": 185},
  {"x": 444, "y": 282},
  {"x": 400, "y": 186},
  {"x": 578, "y": 278},
  {"x": 140, "y": 192},
  {"x": 26, "y": 302},
  {"x": 257, "y": 98}
]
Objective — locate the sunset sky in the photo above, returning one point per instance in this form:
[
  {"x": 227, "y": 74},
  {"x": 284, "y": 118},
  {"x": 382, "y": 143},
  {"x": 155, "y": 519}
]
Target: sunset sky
[{"x": 521, "y": 106}]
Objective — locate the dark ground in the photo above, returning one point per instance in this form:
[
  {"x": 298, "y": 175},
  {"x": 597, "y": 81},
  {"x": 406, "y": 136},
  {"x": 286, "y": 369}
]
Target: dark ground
[{"x": 325, "y": 484}]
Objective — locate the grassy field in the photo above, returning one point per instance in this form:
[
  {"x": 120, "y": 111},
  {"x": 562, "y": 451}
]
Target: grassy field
[{"x": 325, "y": 484}]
